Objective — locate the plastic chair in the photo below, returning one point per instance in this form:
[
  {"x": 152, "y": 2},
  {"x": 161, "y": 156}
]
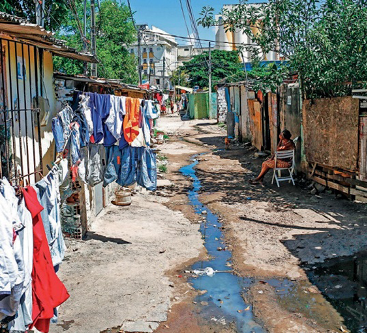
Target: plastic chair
[{"x": 277, "y": 175}]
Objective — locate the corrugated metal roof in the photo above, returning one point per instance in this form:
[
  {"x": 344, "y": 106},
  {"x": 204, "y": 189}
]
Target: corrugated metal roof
[{"x": 22, "y": 30}]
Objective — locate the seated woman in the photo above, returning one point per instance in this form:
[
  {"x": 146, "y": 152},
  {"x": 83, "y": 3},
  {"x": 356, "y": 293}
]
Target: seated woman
[{"x": 285, "y": 143}]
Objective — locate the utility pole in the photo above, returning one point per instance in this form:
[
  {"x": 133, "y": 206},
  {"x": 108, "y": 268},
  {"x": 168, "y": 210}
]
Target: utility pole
[
  {"x": 210, "y": 78},
  {"x": 164, "y": 71},
  {"x": 85, "y": 26},
  {"x": 93, "y": 36},
  {"x": 85, "y": 47},
  {"x": 139, "y": 55}
]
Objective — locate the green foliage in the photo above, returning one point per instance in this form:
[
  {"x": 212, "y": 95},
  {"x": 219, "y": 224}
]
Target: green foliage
[
  {"x": 266, "y": 77},
  {"x": 179, "y": 77},
  {"x": 161, "y": 158},
  {"x": 162, "y": 168},
  {"x": 115, "y": 33},
  {"x": 323, "y": 41},
  {"x": 225, "y": 65},
  {"x": 55, "y": 11}
]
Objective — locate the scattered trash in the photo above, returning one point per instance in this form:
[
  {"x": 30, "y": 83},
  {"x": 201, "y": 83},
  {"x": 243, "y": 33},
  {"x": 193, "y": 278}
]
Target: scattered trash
[
  {"x": 248, "y": 198},
  {"x": 162, "y": 251},
  {"x": 206, "y": 271},
  {"x": 248, "y": 308},
  {"x": 260, "y": 291},
  {"x": 220, "y": 249},
  {"x": 204, "y": 303},
  {"x": 204, "y": 212},
  {"x": 166, "y": 326},
  {"x": 221, "y": 320}
]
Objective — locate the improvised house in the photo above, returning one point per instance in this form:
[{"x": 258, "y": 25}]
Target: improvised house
[
  {"x": 27, "y": 97},
  {"x": 330, "y": 133}
]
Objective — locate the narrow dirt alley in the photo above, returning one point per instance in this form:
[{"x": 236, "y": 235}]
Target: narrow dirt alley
[{"x": 144, "y": 268}]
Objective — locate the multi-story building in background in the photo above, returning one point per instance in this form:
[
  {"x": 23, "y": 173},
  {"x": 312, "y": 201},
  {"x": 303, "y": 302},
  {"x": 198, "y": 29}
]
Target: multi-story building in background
[
  {"x": 186, "y": 52},
  {"x": 229, "y": 40},
  {"x": 158, "y": 56}
]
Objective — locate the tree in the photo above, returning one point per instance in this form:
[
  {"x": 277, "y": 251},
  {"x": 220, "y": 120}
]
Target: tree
[
  {"x": 225, "y": 64},
  {"x": 322, "y": 40},
  {"x": 115, "y": 33},
  {"x": 55, "y": 11},
  {"x": 179, "y": 77}
]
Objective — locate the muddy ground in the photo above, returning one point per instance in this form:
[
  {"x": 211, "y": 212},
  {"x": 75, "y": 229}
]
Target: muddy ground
[
  {"x": 272, "y": 232},
  {"x": 130, "y": 272}
]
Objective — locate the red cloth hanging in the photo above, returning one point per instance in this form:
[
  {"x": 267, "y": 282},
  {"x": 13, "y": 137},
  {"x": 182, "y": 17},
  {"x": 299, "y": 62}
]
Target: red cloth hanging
[{"x": 48, "y": 291}]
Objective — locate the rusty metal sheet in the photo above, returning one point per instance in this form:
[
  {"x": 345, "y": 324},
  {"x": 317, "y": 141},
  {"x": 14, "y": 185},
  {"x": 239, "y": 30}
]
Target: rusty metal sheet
[{"x": 331, "y": 132}]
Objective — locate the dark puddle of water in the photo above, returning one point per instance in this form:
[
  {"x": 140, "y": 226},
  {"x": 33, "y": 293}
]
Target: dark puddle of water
[
  {"x": 224, "y": 290},
  {"x": 343, "y": 281}
]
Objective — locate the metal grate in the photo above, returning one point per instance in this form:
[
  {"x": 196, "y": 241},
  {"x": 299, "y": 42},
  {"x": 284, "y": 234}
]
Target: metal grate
[{"x": 20, "y": 131}]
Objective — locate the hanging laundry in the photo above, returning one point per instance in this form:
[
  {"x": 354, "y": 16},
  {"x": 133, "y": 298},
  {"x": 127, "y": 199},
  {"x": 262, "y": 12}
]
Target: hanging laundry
[
  {"x": 61, "y": 127},
  {"x": 147, "y": 169},
  {"x": 48, "y": 291},
  {"x": 23, "y": 318},
  {"x": 96, "y": 164},
  {"x": 49, "y": 197},
  {"x": 114, "y": 157},
  {"x": 115, "y": 119},
  {"x": 131, "y": 120},
  {"x": 80, "y": 118},
  {"x": 75, "y": 143},
  {"x": 139, "y": 141},
  {"x": 87, "y": 113},
  {"x": 12, "y": 269},
  {"x": 138, "y": 165},
  {"x": 100, "y": 106}
]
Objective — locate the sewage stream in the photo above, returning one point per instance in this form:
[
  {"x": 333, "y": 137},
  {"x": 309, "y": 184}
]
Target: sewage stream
[
  {"x": 223, "y": 301},
  {"x": 343, "y": 281}
]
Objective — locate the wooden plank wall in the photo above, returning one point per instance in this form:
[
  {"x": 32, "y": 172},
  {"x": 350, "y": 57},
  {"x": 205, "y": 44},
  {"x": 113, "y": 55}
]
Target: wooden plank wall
[
  {"x": 256, "y": 123},
  {"x": 331, "y": 132},
  {"x": 273, "y": 120}
]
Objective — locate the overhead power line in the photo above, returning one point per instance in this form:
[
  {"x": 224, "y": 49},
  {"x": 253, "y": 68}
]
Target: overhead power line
[
  {"x": 131, "y": 14},
  {"x": 201, "y": 39},
  {"x": 184, "y": 17}
]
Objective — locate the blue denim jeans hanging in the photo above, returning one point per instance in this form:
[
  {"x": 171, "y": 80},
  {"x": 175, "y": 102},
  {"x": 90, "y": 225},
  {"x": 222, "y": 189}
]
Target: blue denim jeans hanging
[
  {"x": 147, "y": 169},
  {"x": 114, "y": 158},
  {"x": 58, "y": 133},
  {"x": 75, "y": 143}
]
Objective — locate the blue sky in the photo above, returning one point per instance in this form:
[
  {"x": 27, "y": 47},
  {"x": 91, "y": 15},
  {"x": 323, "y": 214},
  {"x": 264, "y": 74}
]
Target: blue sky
[{"x": 167, "y": 15}]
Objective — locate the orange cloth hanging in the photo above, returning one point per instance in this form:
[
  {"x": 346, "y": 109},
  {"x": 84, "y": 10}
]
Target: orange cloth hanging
[{"x": 131, "y": 120}]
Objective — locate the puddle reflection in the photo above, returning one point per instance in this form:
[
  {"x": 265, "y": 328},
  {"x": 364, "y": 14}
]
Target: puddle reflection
[{"x": 343, "y": 281}]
